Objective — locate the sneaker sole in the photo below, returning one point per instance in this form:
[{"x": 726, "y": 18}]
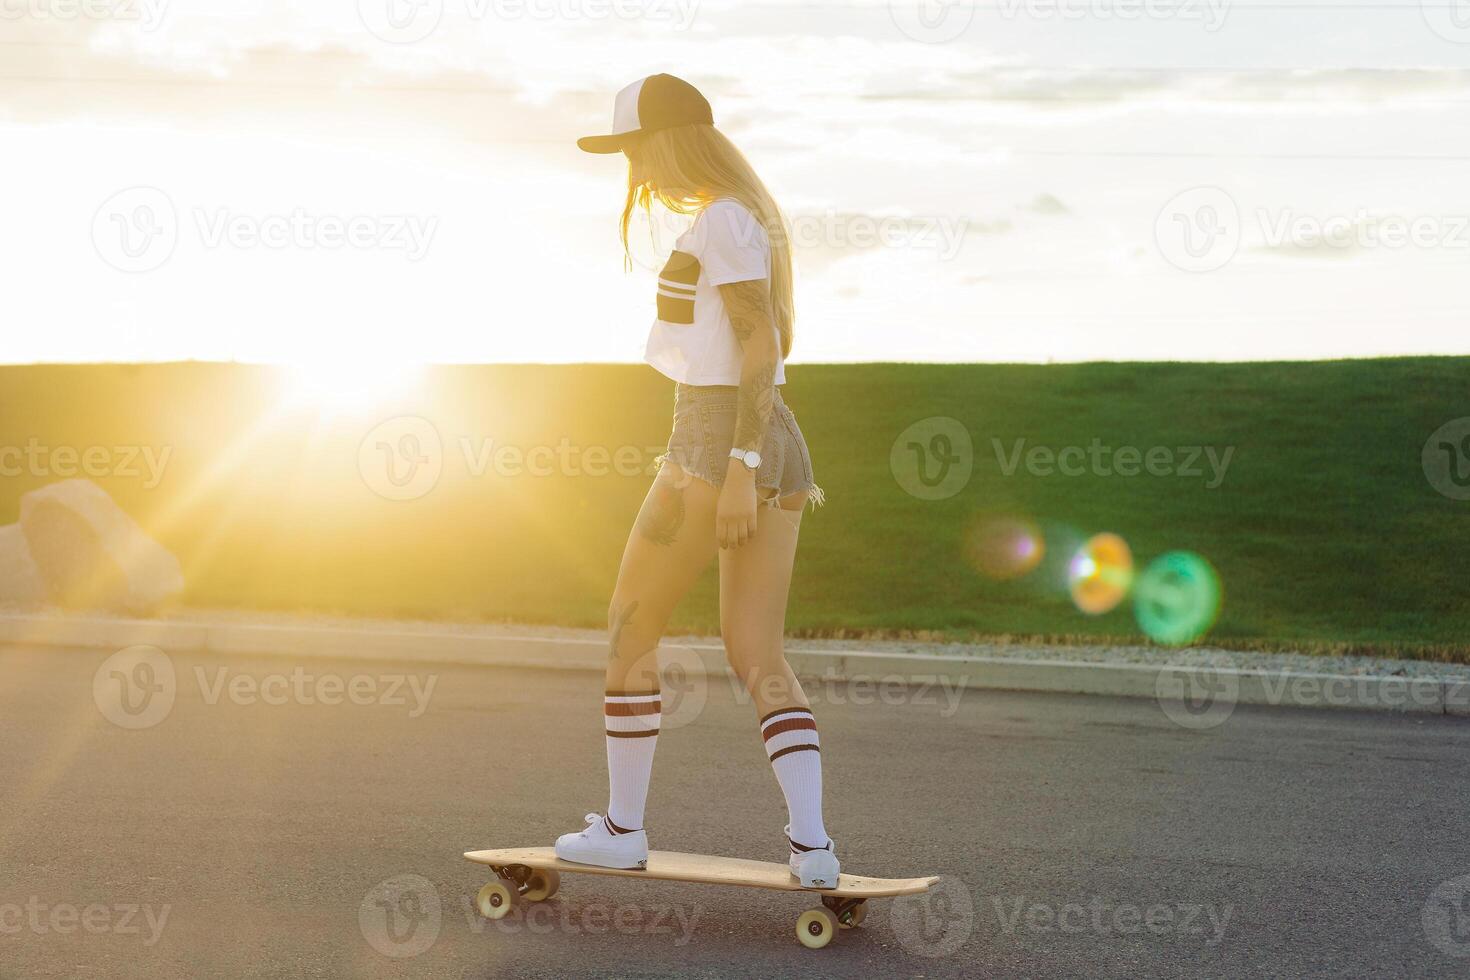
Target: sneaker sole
[{"x": 612, "y": 863}]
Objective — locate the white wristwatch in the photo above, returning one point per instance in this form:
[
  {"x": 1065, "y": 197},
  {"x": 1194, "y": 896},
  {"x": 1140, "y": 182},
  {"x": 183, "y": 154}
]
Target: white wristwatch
[{"x": 749, "y": 457}]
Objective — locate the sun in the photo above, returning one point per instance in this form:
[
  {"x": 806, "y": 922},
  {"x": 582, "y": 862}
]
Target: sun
[{"x": 343, "y": 385}]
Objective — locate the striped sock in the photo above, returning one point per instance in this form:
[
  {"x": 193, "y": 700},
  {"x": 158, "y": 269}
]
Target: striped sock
[
  {"x": 796, "y": 756},
  {"x": 632, "y": 733}
]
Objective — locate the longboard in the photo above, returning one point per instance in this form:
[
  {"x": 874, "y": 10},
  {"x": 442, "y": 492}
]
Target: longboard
[{"x": 533, "y": 874}]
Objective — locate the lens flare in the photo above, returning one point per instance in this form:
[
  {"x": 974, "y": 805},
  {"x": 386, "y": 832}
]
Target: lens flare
[
  {"x": 1004, "y": 547},
  {"x": 1177, "y": 598},
  {"x": 1100, "y": 574}
]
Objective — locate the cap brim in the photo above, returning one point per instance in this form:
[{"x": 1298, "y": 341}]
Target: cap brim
[{"x": 604, "y": 144}]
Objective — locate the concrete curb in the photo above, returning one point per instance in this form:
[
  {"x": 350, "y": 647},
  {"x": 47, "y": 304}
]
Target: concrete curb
[{"x": 426, "y": 645}]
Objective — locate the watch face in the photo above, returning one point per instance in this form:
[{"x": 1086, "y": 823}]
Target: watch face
[{"x": 753, "y": 459}]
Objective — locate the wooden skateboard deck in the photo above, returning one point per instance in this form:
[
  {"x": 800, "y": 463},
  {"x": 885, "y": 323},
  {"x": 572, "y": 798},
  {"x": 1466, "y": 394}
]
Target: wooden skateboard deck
[
  {"x": 673, "y": 866},
  {"x": 534, "y": 874}
]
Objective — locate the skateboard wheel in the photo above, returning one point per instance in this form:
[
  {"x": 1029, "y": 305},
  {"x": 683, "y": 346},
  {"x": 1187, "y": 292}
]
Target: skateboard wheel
[
  {"x": 542, "y": 884},
  {"x": 495, "y": 900},
  {"x": 816, "y": 927},
  {"x": 854, "y": 916}
]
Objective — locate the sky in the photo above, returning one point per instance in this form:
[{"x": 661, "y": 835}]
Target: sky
[{"x": 1010, "y": 180}]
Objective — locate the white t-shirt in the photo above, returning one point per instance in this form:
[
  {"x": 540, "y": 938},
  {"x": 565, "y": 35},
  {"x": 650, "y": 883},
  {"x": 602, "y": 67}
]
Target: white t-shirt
[{"x": 692, "y": 340}]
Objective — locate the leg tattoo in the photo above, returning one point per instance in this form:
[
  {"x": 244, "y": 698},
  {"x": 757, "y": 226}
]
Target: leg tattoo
[
  {"x": 623, "y": 617},
  {"x": 660, "y": 521}
]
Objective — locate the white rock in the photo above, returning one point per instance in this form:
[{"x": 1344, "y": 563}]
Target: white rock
[
  {"x": 20, "y": 579},
  {"x": 91, "y": 554}
]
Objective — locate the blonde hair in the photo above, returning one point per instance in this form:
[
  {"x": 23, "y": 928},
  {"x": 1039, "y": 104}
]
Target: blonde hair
[{"x": 688, "y": 167}]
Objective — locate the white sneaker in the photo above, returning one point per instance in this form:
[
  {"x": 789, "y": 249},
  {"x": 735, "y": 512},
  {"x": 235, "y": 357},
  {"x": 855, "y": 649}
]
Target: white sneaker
[
  {"x": 815, "y": 869},
  {"x": 597, "y": 844}
]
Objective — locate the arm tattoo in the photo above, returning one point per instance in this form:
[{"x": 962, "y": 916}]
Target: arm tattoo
[
  {"x": 757, "y": 396},
  {"x": 749, "y": 306}
]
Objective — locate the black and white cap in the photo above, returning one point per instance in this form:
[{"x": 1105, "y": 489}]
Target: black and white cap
[{"x": 652, "y": 103}]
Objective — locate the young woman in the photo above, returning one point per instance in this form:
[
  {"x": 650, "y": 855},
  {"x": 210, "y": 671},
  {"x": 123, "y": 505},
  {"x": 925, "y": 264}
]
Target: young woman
[{"x": 734, "y": 481}]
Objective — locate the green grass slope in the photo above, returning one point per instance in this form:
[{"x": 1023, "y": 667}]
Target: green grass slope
[{"x": 1324, "y": 529}]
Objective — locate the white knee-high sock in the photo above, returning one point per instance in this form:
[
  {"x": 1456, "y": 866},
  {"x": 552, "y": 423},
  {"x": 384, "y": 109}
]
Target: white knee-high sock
[
  {"x": 796, "y": 756},
  {"x": 632, "y": 733}
]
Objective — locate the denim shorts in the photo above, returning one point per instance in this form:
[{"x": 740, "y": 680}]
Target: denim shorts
[{"x": 704, "y": 434}]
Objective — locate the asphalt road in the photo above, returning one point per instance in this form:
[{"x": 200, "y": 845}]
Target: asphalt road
[{"x": 254, "y": 829}]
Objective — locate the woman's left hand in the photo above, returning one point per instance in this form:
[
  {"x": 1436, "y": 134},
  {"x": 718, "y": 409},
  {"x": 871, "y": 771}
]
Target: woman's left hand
[{"x": 735, "y": 515}]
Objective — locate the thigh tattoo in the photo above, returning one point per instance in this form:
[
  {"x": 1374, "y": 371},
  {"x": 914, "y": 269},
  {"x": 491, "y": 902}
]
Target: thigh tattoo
[{"x": 663, "y": 516}]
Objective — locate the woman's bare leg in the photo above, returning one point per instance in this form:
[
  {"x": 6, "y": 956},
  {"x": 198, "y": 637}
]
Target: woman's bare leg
[
  {"x": 754, "y": 582},
  {"x": 672, "y": 542}
]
